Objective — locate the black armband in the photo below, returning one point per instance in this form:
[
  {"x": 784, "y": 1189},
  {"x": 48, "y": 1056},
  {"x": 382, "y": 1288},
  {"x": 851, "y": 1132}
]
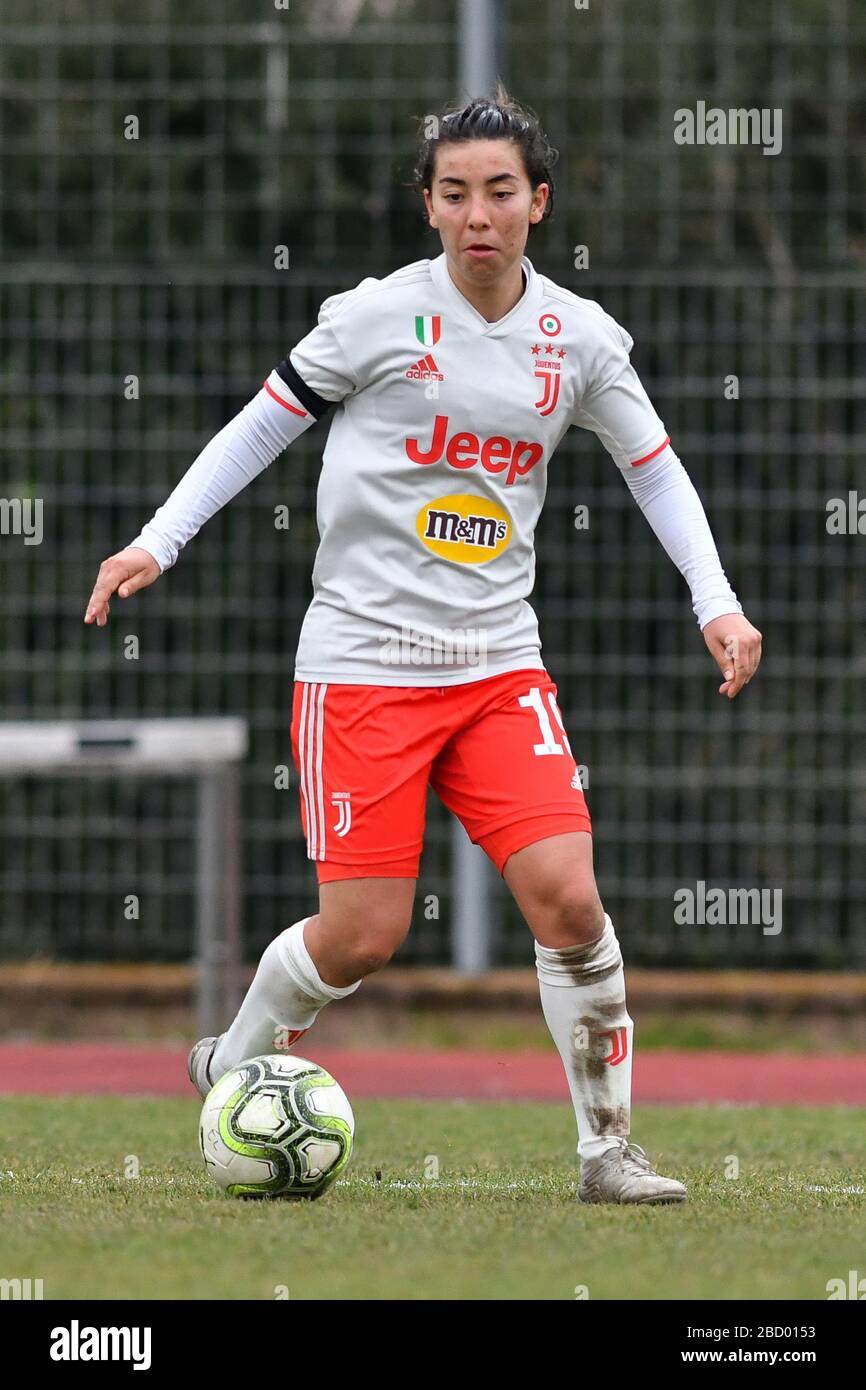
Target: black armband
[{"x": 316, "y": 404}]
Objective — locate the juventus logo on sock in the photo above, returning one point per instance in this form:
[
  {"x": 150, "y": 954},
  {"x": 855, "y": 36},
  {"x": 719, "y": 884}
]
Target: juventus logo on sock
[
  {"x": 284, "y": 1038},
  {"x": 619, "y": 1045}
]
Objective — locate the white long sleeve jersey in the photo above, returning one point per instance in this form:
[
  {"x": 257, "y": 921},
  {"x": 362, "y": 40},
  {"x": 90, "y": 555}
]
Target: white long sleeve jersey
[{"x": 435, "y": 471}]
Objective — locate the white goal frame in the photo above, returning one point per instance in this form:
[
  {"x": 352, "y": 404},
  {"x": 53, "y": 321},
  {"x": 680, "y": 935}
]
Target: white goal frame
[{"x": 208, "y": 750}]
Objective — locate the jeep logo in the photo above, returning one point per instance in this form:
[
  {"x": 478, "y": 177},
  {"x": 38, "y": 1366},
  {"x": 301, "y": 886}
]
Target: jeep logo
[{"x": 464, "y": 450}]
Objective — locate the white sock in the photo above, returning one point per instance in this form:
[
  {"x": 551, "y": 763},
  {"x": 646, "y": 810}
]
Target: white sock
[
  {"x": 282, "y": 1002},
  {"x": 583, "y": 1000}
]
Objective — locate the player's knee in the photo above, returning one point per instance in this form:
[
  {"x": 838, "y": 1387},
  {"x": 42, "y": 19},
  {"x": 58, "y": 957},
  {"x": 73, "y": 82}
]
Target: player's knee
[
  {"x": 372, "y": 944},
  {"x": 372, "y": 953},
  {"x": 578, "y": 914}
]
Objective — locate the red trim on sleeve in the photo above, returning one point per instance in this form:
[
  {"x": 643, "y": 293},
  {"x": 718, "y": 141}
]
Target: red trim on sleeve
[
  {"x": 293, "y": 408},
  {"x": 646, "y": 458}
]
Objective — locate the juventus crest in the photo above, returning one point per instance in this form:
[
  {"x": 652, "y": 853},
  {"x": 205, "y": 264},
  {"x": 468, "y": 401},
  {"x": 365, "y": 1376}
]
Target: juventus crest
[
  {"x": 550, "y": 393},
  {"x": 547, "y": 361},
  {"x": 343, "y": 803}
]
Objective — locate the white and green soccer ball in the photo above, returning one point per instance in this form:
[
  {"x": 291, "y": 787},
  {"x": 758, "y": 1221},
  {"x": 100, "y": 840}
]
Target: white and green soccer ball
[{"x": 276, "y": 1126}]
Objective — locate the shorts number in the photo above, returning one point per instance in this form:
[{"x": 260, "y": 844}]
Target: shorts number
[{"x": 549, "y": 742}]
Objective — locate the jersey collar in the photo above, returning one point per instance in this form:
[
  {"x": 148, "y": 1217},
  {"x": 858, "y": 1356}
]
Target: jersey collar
[{"x": 528, "y": 304}]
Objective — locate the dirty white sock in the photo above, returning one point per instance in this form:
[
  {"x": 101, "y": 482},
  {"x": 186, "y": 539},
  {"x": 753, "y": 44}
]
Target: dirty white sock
[
  {"x": 282, "y": 1002},
  {"x": 583, "y": 1000}
]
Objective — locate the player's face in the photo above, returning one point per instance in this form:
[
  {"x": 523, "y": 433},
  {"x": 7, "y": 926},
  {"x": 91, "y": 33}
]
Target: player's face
[{"x": 481, "y": 203}]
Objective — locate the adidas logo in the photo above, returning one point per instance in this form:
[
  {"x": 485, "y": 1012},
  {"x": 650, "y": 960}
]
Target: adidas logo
[{"x": 425, "y": 369}]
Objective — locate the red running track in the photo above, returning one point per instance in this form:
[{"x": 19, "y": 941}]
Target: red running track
[{"x": 661, "y": 1078}]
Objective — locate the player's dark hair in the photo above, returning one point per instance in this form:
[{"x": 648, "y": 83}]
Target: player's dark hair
[{"x": 497, "y": 117}]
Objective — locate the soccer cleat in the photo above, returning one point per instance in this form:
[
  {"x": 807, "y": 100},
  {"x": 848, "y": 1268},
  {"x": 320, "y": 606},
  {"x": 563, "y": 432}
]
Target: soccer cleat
[
  {"x": 625, "y": 1174},
  {"x": 198, "y": 1066}
]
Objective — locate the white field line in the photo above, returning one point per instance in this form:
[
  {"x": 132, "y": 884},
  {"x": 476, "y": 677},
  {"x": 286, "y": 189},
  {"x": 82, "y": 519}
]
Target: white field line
[{"x": 453, "y": 1184}]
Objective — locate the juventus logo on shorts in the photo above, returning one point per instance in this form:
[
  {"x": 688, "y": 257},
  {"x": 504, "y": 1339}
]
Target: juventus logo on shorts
[{"x": 342, "y": 800}]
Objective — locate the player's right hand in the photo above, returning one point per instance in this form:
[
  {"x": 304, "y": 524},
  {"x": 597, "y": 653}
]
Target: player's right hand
[{"x": 126, "y": 572}]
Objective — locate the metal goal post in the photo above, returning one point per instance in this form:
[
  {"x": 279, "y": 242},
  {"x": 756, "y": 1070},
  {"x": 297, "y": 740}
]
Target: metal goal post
[{"x": 207, "y": 750}]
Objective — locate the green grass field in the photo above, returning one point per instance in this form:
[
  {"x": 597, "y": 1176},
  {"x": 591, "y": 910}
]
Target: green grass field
[{"x": 501, "y": 1222}]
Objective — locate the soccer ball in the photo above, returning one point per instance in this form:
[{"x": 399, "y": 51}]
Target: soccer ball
[{"x": 276, "y": 1126}]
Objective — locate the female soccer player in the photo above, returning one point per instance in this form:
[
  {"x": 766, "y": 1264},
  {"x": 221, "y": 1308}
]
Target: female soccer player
[{"x": 454, "y": 379}]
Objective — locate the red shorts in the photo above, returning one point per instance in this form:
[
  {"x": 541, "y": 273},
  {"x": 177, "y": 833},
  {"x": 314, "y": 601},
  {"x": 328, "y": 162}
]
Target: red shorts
[{"x": 494, "y": 750}]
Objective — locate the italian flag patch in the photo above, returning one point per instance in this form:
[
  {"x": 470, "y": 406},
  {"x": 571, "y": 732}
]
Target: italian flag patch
[{"x": 428, "y": 329}]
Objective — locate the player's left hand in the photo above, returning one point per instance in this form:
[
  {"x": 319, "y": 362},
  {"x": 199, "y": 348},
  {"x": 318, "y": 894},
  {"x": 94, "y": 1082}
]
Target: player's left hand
[{"x": 736, "y": 646}]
